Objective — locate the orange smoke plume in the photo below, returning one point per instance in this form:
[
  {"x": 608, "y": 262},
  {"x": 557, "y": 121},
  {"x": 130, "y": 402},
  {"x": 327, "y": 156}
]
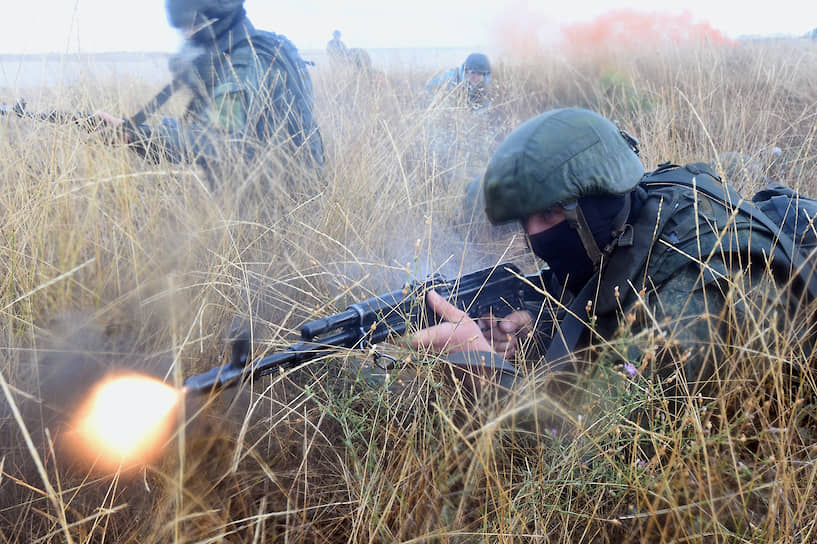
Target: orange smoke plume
[
  {"x": 521, "y": 31},
  {"x": 628, "y": 30}
]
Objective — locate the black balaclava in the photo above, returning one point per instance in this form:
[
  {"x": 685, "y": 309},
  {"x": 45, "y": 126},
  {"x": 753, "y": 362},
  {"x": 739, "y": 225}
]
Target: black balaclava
[{"x": 561, "y": 248}]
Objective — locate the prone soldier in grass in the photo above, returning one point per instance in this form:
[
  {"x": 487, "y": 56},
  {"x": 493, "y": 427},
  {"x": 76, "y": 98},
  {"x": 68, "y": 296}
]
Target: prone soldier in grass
[
  {"x": 672, "y": 260},
  {"x": 472, "y": 77}
]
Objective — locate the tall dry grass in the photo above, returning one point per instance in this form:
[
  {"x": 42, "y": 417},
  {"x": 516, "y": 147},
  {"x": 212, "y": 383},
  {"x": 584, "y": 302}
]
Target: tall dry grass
[{"x": 111, "y": 263}]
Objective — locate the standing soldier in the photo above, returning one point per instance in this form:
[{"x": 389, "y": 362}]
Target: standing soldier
[
  {"x": 250, "y": 90},
  {"x": 336, "y": 49}
]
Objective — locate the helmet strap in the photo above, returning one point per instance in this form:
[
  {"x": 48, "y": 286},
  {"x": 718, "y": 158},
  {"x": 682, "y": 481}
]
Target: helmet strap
[
  {"x": 620, "y": 226},
  {"x": 576, "y": 217}
]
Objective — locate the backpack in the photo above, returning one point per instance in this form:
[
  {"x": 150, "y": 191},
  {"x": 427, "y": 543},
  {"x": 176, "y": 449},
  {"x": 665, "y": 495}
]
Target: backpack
[
  {"x": 299, "y": 85},
  {"x": 792, "y": 212},
  {"x": 785, "y": 214}
]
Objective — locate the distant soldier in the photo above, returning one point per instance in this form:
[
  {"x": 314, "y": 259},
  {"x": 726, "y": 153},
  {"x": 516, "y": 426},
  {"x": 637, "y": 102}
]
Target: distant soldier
[
  {"x": 473, "y": 77},
  {"x": 462, "y": 128},
  {"x": 361, "y": 59},
  {"x": 361, "y": 62},
  {"x": 336, "y": 49},
  {"x": 251, "y": 92}
]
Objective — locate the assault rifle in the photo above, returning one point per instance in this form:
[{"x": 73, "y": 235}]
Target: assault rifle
[
  {"x": 83, "y": 120},
  {"x": 496, "y": 290}
]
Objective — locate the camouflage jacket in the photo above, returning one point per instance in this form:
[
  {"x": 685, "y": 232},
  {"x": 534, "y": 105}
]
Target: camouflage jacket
[
  {"x": 251, "y": 93},
  {"x": 695, "y": 276}
]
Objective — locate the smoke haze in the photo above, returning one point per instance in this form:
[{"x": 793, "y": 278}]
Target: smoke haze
[{"x": 524, "y": 32}]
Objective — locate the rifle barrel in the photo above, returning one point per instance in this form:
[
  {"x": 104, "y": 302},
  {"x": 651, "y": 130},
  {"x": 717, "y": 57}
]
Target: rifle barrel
[
  {"x": 84, "y": 120},
  {"x": 299, "y": 353}
]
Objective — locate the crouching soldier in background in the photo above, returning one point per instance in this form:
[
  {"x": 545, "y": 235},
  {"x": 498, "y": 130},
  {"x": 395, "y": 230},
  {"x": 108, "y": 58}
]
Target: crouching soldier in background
[
  {"x": 462, "y": 128},
  {"x": 661, "y": 274},
  {"x": 251, "y": 93},
  {"x": 471, "y": 79}
]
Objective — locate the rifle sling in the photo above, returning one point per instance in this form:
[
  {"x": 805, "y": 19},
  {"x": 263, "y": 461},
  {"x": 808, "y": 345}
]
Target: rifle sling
[
  {"x": 153, "y": 104},
  {"x": 560, "y": 354}
]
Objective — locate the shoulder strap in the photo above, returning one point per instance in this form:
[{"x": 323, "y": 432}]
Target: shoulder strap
[
  {"x": 153, "y": 104},
  {"x": 560, "y": 356}
]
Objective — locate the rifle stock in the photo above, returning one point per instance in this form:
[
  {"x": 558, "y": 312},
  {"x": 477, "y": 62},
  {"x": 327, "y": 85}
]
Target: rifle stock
[{"x": 496, "y": 290}]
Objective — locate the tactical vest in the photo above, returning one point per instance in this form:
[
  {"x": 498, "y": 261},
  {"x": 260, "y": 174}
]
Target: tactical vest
[{"x": 688, "y": 215}]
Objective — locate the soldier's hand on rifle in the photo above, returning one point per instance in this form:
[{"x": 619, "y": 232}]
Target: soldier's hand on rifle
[
  {"x": 112, "y": 127},
  {"x": 458, "y": 332},
  {"x": 504, "y": 333}
]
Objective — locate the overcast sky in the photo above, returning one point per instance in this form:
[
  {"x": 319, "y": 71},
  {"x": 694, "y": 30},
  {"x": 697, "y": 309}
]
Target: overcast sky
[{"x": 37, "y": 26}]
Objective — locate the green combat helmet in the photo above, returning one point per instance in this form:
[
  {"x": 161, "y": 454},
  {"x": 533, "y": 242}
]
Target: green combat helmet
[
  {"x": 556, "y": 158},
  {"x": 477, "y": 62},
  {"x": 559, "y": 157},
  {"x": 186, "y": 13}
]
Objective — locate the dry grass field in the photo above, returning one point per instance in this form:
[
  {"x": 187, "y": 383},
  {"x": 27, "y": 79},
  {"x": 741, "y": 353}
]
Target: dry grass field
[{"x": 113, "y": 263}]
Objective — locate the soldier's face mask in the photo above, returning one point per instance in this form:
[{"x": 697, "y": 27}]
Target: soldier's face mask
[{"x": 561, "y": 247}]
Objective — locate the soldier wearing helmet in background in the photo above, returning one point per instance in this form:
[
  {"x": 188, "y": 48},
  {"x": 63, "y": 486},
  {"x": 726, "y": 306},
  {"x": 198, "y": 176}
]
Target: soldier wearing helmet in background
[
  {"x": 462, "y": 128},
  {"x": 473, "y": 77},
  {"x": 648, "y": 257},
  {"x": 251, "y": 92}
]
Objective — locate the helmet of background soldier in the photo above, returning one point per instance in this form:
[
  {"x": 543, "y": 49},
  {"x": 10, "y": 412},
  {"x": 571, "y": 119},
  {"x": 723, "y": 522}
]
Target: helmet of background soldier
[
  {"x": 477, "y": 62},
  {"x": 203, "y": 21},
  {"x": 188, "y": 13},
  {"x": 557, "y": 158}
]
